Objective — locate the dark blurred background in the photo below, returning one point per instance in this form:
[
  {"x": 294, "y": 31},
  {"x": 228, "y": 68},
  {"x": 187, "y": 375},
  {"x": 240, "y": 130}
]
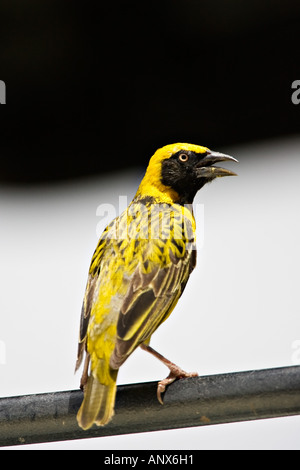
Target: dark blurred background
[{"x": 92, "y": 87}]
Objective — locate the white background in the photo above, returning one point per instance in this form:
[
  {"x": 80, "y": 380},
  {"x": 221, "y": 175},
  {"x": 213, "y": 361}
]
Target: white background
[{"x": 240, "y": 309}]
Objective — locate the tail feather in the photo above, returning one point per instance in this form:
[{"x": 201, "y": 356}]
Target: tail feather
[
  {"x": 106, "y": 409},
  {"x": 98, "y": 403}
]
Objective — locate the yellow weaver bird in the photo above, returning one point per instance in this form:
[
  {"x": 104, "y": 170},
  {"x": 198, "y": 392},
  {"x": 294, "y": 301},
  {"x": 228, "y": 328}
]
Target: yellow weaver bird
[{"x": 138, "y": 272}]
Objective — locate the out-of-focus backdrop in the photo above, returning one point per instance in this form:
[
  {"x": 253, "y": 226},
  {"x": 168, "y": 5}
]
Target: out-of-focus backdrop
[{"x": 91, "y": 92}]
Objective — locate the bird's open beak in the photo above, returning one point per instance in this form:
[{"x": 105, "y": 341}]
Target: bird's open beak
[{"x": 205, "y": 169}]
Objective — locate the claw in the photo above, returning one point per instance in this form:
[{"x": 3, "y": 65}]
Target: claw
[
  {"x": 161, "y": 386},
  {"x": 174, "y": 374},
  {"x": 175, "y": 371}
]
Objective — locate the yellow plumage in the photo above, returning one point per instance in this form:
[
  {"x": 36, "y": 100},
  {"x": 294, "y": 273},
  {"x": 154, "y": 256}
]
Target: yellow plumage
[{"x": 137, "y": 274}]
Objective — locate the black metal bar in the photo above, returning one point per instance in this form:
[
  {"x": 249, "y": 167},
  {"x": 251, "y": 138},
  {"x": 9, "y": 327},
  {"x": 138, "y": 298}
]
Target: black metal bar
[{"x": 189, "y": 402}]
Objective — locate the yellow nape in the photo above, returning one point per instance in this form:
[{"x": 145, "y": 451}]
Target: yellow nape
[{"x": 151, "y": 184}]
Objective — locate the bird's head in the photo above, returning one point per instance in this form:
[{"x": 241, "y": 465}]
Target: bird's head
[{"x": 176, "y": 172}]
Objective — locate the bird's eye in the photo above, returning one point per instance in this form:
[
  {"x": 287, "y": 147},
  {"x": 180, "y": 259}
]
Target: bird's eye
[{"x": 183, "y": 157}]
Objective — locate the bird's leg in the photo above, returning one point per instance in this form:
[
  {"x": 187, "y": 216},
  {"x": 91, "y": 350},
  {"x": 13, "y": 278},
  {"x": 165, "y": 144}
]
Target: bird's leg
[
  {"x": 85, "y": 372},
  {"x": 175, "y": 371}
]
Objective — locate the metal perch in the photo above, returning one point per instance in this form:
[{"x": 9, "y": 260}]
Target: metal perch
[{"x": 198, "y": 401}]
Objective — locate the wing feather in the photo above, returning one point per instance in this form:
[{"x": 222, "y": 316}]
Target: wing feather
[
  {"x": 91, "y": 292},
  {"x": 150, "y": 299},
  {"x": 140, "y": 280},
  {"x": 85, "y": 317}
]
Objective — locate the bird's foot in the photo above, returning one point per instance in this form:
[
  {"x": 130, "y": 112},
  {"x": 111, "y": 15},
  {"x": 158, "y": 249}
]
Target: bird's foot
[
  {"x": 85, "y": 373},
  {"x": 175, "y": 373}
]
